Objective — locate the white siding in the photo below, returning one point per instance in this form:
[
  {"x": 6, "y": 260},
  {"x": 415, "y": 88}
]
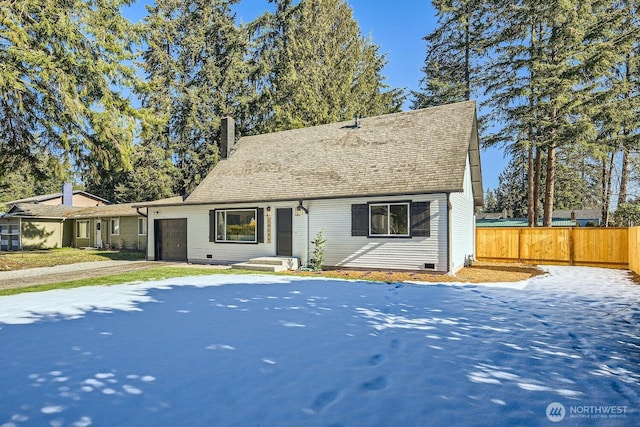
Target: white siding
[
  {"x": 198, "y": 244},
  {"x": 334, "y": 217},
  {"x": 344, "y": 250},
  {"x": 462, "y": 224}
]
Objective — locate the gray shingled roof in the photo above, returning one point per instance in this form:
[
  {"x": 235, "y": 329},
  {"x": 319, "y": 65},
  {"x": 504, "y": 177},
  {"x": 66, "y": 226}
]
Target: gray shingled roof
[
  {"x": 45, "y": 197},
  {"x": 36, "y": 210},
  {"x": 580, "y": 213},
  {"x": 122, "y": 209},
  {"x": 422, "y": 151},
  {"x": 40, "y": 211}
]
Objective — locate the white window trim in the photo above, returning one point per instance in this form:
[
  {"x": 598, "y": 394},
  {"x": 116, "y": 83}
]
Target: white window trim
[
  {"x": 255, "y": 232},
  {"x": 144, "y": 227},
  {"x": 88, "y": 223},
  {"x": 114, "y": 233},
  {"x": 388, "y": 205}
]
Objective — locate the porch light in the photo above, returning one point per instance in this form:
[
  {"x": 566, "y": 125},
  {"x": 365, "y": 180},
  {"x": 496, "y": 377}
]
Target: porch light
[{"x": 300, "y": 209}]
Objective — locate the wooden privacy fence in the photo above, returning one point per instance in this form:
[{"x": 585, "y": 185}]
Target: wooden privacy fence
[
  {"x": 634, "y": 249},
  {"x": 596, "y": 247}
]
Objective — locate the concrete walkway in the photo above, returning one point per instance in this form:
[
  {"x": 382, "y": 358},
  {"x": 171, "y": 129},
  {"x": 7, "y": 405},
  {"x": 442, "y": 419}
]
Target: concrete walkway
[{"x": 83, "y": 270}]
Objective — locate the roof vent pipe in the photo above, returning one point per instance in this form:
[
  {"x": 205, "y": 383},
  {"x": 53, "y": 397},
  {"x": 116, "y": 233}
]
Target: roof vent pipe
[{"x": 227, "y": 136}]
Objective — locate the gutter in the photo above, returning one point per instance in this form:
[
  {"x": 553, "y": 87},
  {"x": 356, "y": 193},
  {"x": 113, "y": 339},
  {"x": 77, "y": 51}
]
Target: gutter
[
  {"x": 448, "y": 233},
  {"x": 140, "y": 213},
  {"x": 306, "y": 211},
  {"x": 297, "y": 199}
]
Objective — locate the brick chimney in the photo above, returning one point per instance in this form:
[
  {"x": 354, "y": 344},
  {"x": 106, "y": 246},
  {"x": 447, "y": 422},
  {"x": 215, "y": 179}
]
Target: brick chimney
[
  {"x": 67, "y": 194},
  {"x": 227, "y": 137}
]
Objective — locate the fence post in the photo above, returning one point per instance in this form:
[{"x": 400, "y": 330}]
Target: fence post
[
  {"x": 572, "y": 250},
  {"x": 520, "y": 245}
]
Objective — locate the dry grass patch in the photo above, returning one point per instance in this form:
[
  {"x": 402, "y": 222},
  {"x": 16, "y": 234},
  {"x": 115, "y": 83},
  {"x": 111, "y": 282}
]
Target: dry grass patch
[
  {"x": 52, "y": 257},
  {"x": 480, "y": 272}
]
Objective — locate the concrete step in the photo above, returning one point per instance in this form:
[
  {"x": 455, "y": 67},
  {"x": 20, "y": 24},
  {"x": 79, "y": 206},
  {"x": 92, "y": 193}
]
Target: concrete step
[
  {"x": 269, "y": 264},
  {"x": 289, "y": 262},
  {"x": 258, "y": 267}
]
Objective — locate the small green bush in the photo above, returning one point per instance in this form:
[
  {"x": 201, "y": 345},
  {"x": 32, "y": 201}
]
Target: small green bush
[{"x": 317, "y": 259}]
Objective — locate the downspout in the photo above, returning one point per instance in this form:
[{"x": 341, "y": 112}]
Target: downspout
[
  {"x": 147, "y": 235},
  {"x": 448, "y": 233},
  {"x": 306, "y": 211}
]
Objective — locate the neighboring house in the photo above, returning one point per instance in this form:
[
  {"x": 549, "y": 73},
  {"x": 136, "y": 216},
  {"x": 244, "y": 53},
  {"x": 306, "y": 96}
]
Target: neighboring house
[
  {"x": 521, "y": 222},
  {"x": 110, "y": 227},
  {"x": 68, "y": 197},
  {"x": 397, "y": 191},
  {"x": 583, "y": 217},
  {"x": 560, "y": 218},
  {"x": 120, "y": 226},
  {"x": 37, "y": 226}
]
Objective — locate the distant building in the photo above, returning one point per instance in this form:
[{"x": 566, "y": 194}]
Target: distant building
[{"x": 560, "y": 218}]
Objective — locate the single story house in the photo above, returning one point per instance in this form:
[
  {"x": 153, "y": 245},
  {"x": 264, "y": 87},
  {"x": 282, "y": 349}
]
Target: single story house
[
  {"x": 396, "y": 192},
  {"x": 35, "y": 226},
  {"x": 38, "y": 226}
]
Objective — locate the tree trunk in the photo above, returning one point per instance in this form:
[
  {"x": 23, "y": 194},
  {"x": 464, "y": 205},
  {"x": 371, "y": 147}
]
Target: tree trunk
[
  {"x": 624, "y": 173},
  {"x": 549, "y": 185},
  {"x": 607, "y": 168},
  {"x": 531, "y": 216},
  {"x": 537, "y": 180},
  {"x": 467, "y": 55}
]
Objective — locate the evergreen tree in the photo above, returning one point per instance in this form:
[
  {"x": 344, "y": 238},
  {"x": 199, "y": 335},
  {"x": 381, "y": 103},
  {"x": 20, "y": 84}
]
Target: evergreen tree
[
  {"x": 490, "y": 201},
  {"x": 45, "y": 176},
  {"x": 195, "y": 62},
  {"x": 454, "y": 52},
  {"x": 312, "y": 66},
  {"x": 547, "y": 59},
  {"x": 62, "y": 71},
  {"x": 152, "y": 178},
  {"x": 511, "y": 194}
]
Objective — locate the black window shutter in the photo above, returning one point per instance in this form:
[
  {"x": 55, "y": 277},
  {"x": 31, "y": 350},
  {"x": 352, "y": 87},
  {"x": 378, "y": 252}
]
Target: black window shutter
[
  {"x": 212, "y": 226},
  {"x": 260, "y": 225},
  {"x": 420, "y": 219},
  {"x": 360, "y": 220}
]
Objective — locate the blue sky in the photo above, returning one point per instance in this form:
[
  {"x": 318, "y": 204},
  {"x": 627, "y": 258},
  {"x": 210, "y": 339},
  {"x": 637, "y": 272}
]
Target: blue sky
[{"x": 398, "y": 28}]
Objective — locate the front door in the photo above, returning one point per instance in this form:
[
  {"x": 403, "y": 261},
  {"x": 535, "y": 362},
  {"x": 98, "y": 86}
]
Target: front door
[
  {"x": 171, "y": 239},
  {"x": 284, "y": 232},
  {"x": 98, "y": 234}
]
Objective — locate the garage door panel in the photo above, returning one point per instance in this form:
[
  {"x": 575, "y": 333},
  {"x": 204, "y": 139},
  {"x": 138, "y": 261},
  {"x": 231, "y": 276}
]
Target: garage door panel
[{"x": 171, "y": 239}]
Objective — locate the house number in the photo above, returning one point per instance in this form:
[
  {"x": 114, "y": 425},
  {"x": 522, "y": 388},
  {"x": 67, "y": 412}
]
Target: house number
[{"x": 268, "y": 229}]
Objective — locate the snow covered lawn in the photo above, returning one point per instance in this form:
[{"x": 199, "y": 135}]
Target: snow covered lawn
[{"x": 560, "y": 349}]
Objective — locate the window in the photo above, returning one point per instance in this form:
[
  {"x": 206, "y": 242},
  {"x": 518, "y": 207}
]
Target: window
[
  {"x": 236, "y": 225},
  {"x": 115, "y": 226},
  {"x": 142, "y": 226},
  {"x": 391, "y": 219},
  {"x": 82, "y": 229}
]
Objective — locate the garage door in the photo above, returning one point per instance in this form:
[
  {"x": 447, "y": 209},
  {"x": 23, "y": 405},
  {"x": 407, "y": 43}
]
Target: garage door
[{"x": 171, "y": 239}]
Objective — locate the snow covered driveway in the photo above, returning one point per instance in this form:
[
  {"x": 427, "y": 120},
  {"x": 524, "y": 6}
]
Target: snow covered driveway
[{"x": 560, "y": 349}]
